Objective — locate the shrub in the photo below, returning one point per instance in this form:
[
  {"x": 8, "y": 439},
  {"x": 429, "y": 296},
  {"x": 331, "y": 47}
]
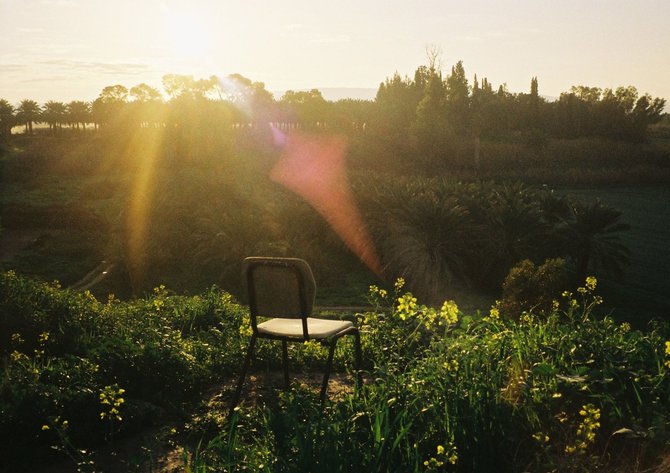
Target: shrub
[{"x": 533, "y": 288}]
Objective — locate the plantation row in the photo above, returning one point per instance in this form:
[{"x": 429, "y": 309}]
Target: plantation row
[
  {"x": 562, "y": 391},
  {"x": 207, "y": 204}
]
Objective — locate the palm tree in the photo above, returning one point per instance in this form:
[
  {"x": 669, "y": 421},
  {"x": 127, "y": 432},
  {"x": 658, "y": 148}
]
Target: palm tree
[
  {"x": 592, "y": 239},
  {"x": 514, "y": 228},
  {"x": 54, "y": 113},
  {"x": 7, "y": 118},
  {"x": 78, "y": 112},
  {"x": 28, "y": 113}
]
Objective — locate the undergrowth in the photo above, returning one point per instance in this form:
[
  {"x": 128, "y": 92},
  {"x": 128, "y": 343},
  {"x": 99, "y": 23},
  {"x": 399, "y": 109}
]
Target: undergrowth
[{"x": 445, "y": 391}]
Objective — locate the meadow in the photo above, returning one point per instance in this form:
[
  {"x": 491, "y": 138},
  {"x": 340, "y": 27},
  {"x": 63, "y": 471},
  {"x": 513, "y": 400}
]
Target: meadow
[{"x": 572, "y": 381}]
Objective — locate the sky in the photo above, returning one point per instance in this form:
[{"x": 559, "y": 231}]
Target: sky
[{"x": 67, "y": 50}]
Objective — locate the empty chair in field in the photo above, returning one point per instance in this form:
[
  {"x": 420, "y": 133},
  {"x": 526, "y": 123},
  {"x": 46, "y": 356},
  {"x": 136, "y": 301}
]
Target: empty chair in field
[{"x": 281, "y": 291}]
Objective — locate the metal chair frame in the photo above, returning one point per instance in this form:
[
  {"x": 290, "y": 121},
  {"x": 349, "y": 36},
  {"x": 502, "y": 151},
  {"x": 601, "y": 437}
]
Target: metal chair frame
[{"x": 304, "y": 278}]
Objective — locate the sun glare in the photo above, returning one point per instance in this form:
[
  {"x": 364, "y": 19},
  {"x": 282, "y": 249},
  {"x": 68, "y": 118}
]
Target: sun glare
[{"x": 186, "y": 34}]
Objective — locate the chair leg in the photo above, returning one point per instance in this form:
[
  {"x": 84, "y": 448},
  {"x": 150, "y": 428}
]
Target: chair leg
[
  {"x": 358, "y": 353},
  {"x": 326, "y": 375},
  {"x": 243, "y": 374},
  {"x": 285, "y": 359}
]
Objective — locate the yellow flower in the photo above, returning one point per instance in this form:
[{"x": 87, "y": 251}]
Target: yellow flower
[
  {"x": 591, "y": 283},
  {"x": 45, "y": 427},
  {"x": 406, "y": 306},
  {"x": 494, "y": 313},
  {"x": 449, "y": 312},
  {"x": 440, "y": 449},
  {"x": 451, "y": 365},
  {"x": 399, "y": 284}
]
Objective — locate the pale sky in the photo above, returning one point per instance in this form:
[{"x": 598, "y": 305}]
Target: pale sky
[{"x": 70, "y": 49}]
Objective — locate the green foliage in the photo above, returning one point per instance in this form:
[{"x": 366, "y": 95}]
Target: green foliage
[
  {"x": 445, "y": 391},
  {"x": 438, "y": 234},
  {"x": 62, "y": 351},
  {"x": 564, "y": 392},
  {"x": 533, "y": 288}
]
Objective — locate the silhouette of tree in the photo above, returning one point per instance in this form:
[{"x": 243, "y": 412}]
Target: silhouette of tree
[
  {"x": 185, "y": 86},
  {"x": 28, "y": 113},
  {"x": 251, "y": 100},
  {"x": 147, "y": 107},
  {"x": 458, "y": 99},
  {"x": 430, "y": 127},
  {"x": 54, "y": 114},
  {"x": 592, "y": 239},
  {"x": 7, "y": 118},
  {"x": 307, "y": 108},
  {"x": 79, "y": 112},
  {"x": 145, "y": 93},
  {"x": 109, "y": 107}
]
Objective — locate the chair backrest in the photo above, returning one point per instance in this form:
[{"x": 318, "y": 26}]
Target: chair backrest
[{"x": 279, "y": 287}]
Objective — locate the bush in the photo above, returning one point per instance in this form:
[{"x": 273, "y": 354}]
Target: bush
[
  {"x": 533, "y": 288},
  {"x": 61, "y": 350},
  {"x": 556, "y": 393},
  {"x": 560, "y": 391}
]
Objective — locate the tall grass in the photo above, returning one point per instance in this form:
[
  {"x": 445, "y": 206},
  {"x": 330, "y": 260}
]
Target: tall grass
[
  {"x": 568, "y": 392},
  {"x": 444, "y": 391}
]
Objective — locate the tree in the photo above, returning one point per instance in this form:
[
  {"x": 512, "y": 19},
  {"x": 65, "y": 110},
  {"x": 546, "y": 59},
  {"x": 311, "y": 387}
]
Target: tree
[
  {"x": 591, "y": 239},
  {"x": 108, "y": 108},
  {"x": 28, "y": 113},
  {"x": 114, "y": 93},
  {"x": 253, "y": 102},
  {"x": 145, "y": 93},
  {"x": 396, "y": 101},
  {"x": 184, "y": 86},
  {"x": 305, "y": 107},
  {"x": 458, "y": 99},
  {"x": 147, "y": 105},
  {"x": 7, "y": 118},
  {"x": 54, "y": 114},
  {"x": 430, "y": 127},
  {"x": 79, "y": 112}
]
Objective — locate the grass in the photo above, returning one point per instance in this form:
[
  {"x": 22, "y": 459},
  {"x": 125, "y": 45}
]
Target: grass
[{"x": 444, "y": 391}]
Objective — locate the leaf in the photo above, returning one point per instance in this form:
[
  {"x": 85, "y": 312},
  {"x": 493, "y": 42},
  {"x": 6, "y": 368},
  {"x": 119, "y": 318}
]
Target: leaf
[
  {"x": 572, "y": 378},
  {"x": 629, "y": 433},
  {"x": 544, "y": 369}
]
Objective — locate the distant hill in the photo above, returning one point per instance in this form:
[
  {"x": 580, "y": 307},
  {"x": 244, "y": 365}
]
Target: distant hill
[{"x": 339, "y": 93}]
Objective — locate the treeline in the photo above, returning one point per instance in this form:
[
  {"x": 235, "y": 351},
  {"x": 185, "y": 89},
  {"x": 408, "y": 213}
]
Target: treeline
[
  {"x": 427, "y": 114},
  {"x": 233, "y": 101}
]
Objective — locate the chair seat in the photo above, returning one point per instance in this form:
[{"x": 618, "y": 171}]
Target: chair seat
[{"x": 317, "y": 328}]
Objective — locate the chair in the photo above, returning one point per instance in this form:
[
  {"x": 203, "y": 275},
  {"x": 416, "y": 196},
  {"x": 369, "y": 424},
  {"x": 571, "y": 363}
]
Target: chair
[{"x": 283, "y": 289}]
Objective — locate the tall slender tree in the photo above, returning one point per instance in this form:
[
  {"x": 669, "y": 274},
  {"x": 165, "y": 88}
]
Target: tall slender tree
[{"x": 458, "y": 99}]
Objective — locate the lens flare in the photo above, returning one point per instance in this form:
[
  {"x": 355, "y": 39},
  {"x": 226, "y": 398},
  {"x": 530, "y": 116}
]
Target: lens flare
[
  {"x": 144, "y": 151},
  {"x": 313, "y": 167}
]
